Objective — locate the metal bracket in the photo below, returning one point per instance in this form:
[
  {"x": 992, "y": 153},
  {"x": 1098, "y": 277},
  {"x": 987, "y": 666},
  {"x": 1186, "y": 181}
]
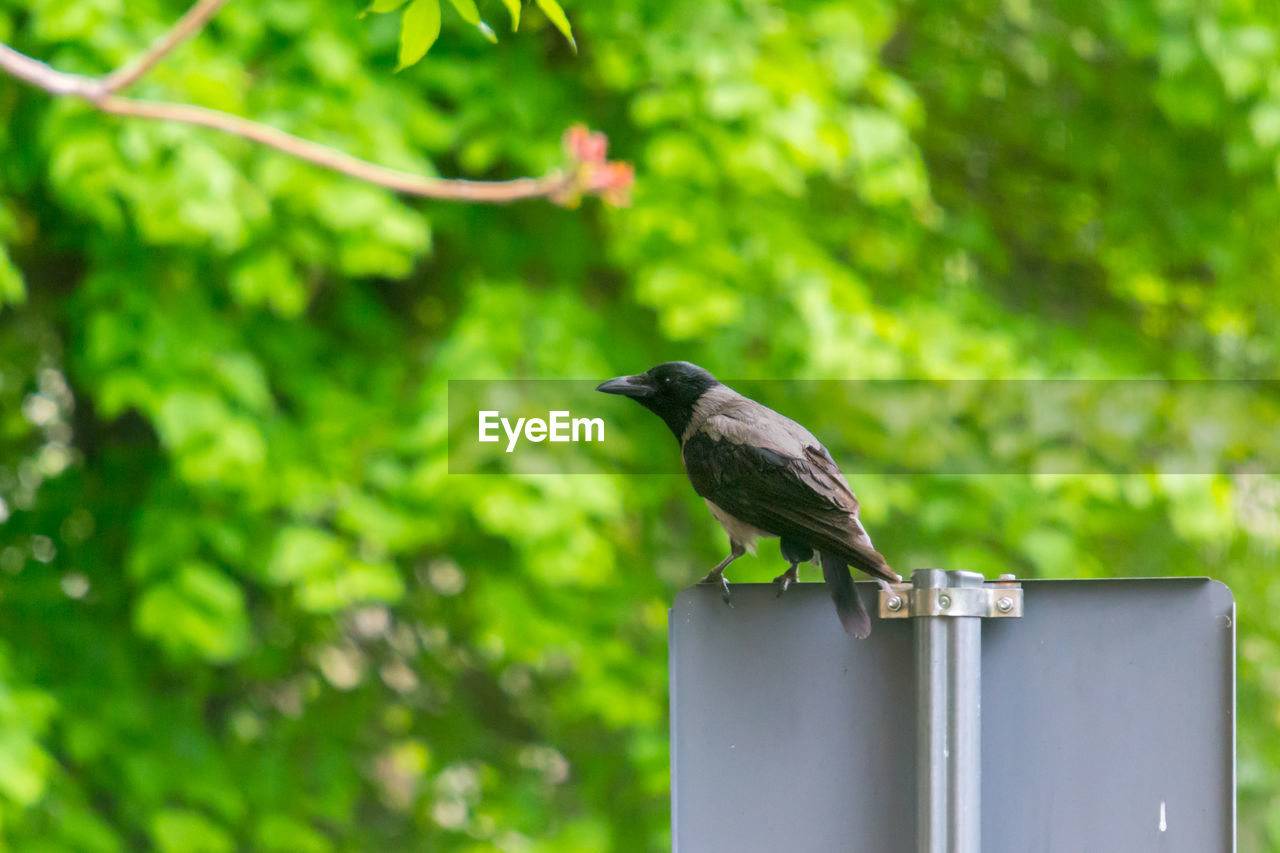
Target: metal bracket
[{"x": 1000, "y": 599}]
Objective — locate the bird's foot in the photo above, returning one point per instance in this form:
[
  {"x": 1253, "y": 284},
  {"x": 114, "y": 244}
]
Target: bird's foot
[
  {"x": 716, "y": 578},
  {"x": 885, "y": 585},
  {"x": 784, "y": 581}
]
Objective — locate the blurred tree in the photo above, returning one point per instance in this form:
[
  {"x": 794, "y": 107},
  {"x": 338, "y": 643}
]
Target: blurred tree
[
  {"x": 585, "y": 169},
  {"x": 243, "y": 604}
]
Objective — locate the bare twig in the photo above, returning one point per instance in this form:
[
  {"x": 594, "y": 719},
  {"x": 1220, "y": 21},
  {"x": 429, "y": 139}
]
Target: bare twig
[
  {"x": 38, "y": 74},
  {"x": 188, "y": 25},
  {"x": 585, "y": 172},
  {"x": 338, "y": 161}
]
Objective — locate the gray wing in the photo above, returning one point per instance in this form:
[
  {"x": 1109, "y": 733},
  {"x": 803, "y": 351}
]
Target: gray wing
[{"x": 772, "y": 474}]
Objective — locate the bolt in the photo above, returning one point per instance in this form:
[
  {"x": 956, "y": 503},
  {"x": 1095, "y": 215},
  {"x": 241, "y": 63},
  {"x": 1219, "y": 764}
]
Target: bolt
[
  {"x": 944, "y": 601},
  {"x": 895, "y": 603},
  {"x": 1004, "y": 605}
]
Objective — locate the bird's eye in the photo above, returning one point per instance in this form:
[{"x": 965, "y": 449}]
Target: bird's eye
[{"x": 666, "y": 380}]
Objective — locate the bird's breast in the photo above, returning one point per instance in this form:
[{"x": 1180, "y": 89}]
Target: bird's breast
[{"x": 738, "y": 530}]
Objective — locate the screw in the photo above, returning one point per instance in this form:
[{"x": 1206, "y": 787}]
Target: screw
[
  {"x": 1004, "y": 605},
  {"x": 944, "y": 601},
  {"x": 895, "y": 603}
]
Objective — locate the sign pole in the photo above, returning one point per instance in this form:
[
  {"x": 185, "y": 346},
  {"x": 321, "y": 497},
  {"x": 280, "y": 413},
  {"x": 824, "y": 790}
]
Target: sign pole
[
  {"x": 949, "y": 722},
  {"x": 948, "y": 608}
]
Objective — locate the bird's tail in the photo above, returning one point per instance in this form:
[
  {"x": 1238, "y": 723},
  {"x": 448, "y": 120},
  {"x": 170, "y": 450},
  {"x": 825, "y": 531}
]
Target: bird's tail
[{"x": 853, "y": 615}]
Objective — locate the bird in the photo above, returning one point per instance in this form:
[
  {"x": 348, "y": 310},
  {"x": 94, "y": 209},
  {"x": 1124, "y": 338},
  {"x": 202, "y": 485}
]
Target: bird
[{"x": 763, "y": 475}]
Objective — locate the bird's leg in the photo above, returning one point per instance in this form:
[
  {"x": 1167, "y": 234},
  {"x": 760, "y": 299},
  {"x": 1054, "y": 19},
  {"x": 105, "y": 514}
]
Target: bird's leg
[
  {"x": 716, "y": 575},
  {"x": 784, "y": 581},
  {"x": 795, "y": 553}
]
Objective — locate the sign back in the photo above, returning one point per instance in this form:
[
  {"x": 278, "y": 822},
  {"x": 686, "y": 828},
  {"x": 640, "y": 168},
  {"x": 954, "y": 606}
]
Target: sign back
[{"x": 1108, "y": 722}]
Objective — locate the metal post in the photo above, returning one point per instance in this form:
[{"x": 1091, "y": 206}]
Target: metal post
[
  {"x": 949, "y": 608},
  {"x": 949, "y": 718}
]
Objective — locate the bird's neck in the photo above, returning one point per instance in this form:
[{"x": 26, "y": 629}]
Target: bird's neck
[
  {"x": 689, "y": 418},
  {"x": 676, "y": 418}
]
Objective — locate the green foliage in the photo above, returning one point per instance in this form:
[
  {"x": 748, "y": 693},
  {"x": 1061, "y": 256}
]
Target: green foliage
[
  {"x": 11, "y": 287},
  {"x": 556, "y": 16},
  {"x": 243, "y": 603},
  {"x": 513, "y": 9},
  {"x": 418, "y": 31},
  {"x": 420, "y": 23},
  {"x": 467, "y": 10},
  {"x": 177, "y": 831}
]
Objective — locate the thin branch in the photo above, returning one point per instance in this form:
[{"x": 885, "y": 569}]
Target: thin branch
[
  {"x": 586, "y": 171},
  {"x": 187, "y": 26},
  {"x": 37, "y": 74},
  {"x": 330, "y": 158}
]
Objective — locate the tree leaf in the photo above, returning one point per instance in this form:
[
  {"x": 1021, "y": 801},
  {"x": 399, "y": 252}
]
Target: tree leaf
[
  {"x": 467, "y": 9},
  {"x": 381, "y": 6},
  {"x": 556, "y": 16},
  {"x": 11, "y": 289},
  {"x": 200, "y": 611},
  {"x": 188, "y": 831},
  {"x": 419, "y": 29},
  {"x": 513, "y": 8}
]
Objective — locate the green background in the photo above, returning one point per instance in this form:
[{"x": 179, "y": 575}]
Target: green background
[{"x": 242, "y": 604}]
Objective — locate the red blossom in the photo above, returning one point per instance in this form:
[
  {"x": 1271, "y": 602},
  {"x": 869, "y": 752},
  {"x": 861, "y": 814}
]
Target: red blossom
[
  {"x": 585, "y": 145},
  {"x": 585, "y": 151}
]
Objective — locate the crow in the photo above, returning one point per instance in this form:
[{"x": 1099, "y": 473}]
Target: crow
[{"x": 762, "y": 474}]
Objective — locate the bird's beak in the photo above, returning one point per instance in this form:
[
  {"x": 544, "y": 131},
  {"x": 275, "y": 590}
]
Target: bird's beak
[{"x": 636, "y": 387}]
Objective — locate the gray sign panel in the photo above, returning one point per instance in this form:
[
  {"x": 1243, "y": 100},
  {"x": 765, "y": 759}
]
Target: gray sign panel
[{"x": 1108, "y": 722}]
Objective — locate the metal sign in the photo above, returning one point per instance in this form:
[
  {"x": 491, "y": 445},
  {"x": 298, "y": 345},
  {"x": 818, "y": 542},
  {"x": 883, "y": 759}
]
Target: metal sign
[{"x": 1107, "y": 722}]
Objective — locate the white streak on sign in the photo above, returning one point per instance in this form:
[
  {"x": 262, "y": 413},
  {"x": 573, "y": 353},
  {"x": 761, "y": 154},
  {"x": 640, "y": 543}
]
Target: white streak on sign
[{"x": 1163, "y": 825}]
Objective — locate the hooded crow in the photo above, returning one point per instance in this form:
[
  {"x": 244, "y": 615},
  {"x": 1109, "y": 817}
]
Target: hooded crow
[{"x": 762, "y": 474}]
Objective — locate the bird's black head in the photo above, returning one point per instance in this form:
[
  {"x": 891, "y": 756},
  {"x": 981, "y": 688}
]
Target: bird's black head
[{"x": 669, "y": 390}]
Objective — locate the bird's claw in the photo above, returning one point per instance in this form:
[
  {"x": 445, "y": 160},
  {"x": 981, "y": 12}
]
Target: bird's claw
[
  {"x": 724, "y": 587},
  {"x": 783, "y": 582},
  {"x": 718, "y": 579}
]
